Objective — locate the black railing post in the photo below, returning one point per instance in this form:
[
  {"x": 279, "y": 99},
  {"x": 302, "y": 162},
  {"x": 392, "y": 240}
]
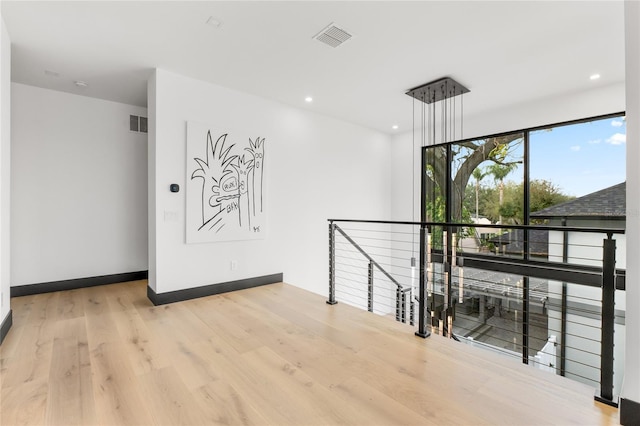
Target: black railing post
[
  {"x": 447, "y": 268},
  {"x": 398, "y": 303},
  {"x": 563, "y": 330},
  {"x": 526, "y": 252},
  {"x": 403, "y": 307},
  {"x": 412, "y": 309},
  {"x": 525, "y": 320},
  {"x": 563, "y": 304},
  {"x": 608, "y": 320},
  {"x": 370, "y": 298},
  {"x": 422, "y": 286},
  {"x": 332, "y": 264}
]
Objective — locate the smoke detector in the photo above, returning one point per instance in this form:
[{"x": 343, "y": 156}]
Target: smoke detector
[{"x": 332, "y": 35}]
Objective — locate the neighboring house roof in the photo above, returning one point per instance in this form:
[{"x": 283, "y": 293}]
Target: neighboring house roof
[
  {"x": 607, "y": 203},
  {"x": 513, "y": 241}
]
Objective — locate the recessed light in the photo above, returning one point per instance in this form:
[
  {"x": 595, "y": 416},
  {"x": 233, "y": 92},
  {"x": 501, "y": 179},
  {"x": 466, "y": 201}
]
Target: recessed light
[
  {"x": 80, "y": 83},
  {"x": 594, "y": 76},
  {"x": 394, "y": 127},
  {"x": 308, "y": 99}
]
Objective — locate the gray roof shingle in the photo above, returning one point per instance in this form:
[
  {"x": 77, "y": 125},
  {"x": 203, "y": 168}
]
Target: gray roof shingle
[{"x": 609, "y": 202}]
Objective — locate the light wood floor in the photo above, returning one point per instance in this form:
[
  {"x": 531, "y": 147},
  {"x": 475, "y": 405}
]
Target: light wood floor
[{"x": 268, "y": 355}]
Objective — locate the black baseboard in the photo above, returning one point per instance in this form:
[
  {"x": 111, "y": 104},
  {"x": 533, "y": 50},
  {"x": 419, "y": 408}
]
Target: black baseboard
[
  {"x": 209, "y": 290},
  {"x": 26, "y": 290},
  {"x": 6, "y": 325},
  {"x": 629, "y": 412}
]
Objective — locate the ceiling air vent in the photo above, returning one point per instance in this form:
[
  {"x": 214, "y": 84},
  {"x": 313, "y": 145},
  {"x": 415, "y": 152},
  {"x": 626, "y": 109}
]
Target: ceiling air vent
[{"x": 333, "y": 36}]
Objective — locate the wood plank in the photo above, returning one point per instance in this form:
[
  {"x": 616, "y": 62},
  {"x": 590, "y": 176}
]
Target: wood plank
[
  {"x": 170, "y": 402},
  {"x": 226, "y": 406},
  {"x": 102, "y": 329},
  {"x": 11, "y": 342},
  {"x": 222, "y": 316},
  {"x": 24, "y": 404},
  {"x": 385, "y": 410},
  {"x": 31, "y": 358},
  {"x": 94, "y": 300},
  {"x": 69, "y": 400},
  {"x": 254, "y": 389},
  {"x": 125, "y": 296},
  {"x": 119, "y": 398},
  {"x": 45, "y": 307},
  {"x": 196, "y": 366},
  {"x": 145, "y": 353},
  {"x": 70, "y": 304},
  {"x": 310, "y": 398}
]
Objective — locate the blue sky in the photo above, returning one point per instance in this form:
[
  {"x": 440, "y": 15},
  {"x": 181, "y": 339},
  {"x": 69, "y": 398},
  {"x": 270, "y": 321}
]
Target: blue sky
[{"x": 580, "y": 158}]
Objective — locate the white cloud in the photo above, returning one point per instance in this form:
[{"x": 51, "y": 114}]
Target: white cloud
[
  {"x": 595, "y": 141},
  {"x": 617, "y": 123},
  {"x": 575, "y": 148},
  {"x": 617, "y": 139}
]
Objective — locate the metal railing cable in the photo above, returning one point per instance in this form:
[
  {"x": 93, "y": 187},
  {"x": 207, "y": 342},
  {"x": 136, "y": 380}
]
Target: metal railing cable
[{"x": 384, "y": 290}]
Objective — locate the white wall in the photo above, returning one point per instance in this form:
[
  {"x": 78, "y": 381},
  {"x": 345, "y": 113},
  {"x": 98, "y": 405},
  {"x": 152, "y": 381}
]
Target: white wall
[
  {"x": 5, "y": 170},
  {"x": 317, "y": 168},
  {"x": 79, "y": 187},
  {"x": 631, "y": 385}
]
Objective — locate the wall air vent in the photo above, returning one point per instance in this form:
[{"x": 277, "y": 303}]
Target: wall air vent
[
  {"x": 143, "y": 124},
  {"x": 137, "y": 124},
  {"x": 332, "y": 35},
  {"x": 133, "y": 123}
]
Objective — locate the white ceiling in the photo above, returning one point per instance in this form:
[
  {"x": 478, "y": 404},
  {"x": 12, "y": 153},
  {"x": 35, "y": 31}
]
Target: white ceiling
[{"x": 504, "y": 52}]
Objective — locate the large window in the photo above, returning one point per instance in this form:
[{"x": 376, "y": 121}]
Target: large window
[{"x": 570, "y": 174}]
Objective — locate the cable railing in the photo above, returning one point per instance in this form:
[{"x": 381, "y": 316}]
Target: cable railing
[
  {"x": 552, "y": 296},
  {"x": 384, "y": 292}
]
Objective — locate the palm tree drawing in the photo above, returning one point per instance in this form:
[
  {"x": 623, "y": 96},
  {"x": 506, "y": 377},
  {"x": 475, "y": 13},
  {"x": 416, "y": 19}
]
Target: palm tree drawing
[
  {"x": 243, "y": 168},
  {"x": 256, "y": 148},
  {"x": 219, "y": 184}
]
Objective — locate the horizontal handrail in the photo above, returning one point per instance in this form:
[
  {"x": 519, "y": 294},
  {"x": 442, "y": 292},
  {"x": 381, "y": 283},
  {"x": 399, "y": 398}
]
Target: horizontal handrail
[
  {"x": 481, "y": 225},
  {"x": 574, "y": 273}
]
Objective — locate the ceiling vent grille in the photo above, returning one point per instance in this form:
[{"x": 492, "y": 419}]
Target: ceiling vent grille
[{"x": 333, "y": 36}]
